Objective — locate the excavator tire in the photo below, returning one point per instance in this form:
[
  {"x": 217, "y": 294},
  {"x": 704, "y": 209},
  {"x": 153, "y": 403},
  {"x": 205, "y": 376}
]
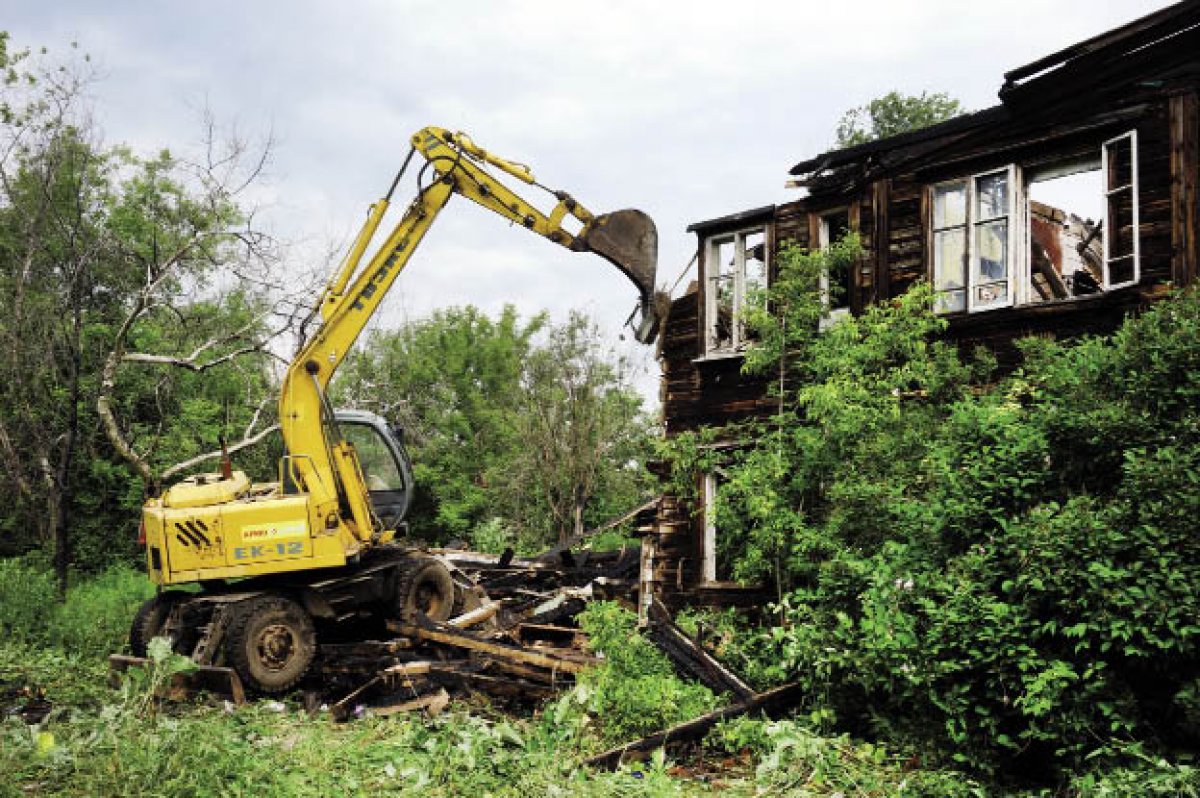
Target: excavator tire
[
  {"x": 425, "y": 586},
  {"x": 270, "y": 643},
  {"x": 148, "y": 622}
]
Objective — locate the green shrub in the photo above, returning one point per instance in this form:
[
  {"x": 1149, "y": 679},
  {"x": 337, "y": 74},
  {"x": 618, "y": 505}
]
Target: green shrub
[
  {"x": 635, "y": 691},
  {"x": 28, "y": 600},
  {"x": 1006, "y": 572},
  {"x": 792, "y": 759},
  {"x": 95, "y": 618},
  {"x": 93, "y": 621}
]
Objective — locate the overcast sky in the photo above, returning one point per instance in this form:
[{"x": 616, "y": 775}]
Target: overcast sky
[{"x": 687, "y": 110}]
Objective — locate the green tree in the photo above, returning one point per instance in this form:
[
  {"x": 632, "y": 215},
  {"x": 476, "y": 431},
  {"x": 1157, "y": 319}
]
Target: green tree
[
  {"x": 453, "y": 382},
  {"x": 894, "y": 113},
  {"x": 520, "y": 432},
  {"x": 582, "y": 433},
  {"x": 107, "y": 259}
]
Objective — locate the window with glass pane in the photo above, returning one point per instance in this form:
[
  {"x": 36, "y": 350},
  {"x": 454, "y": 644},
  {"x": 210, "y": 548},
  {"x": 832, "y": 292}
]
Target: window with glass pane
[
  {"x": 753, "y": 245},
  {"x": 378, "y": 464},
  {"x": 1121, "y": 214},
  {"x": 736, "y": 272},
  {"x": 989, "y": 279},
  {"x": 950, "y": 245}
]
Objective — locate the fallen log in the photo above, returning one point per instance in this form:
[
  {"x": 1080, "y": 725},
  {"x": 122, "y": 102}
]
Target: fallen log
[{"x": 770, "y": 703}]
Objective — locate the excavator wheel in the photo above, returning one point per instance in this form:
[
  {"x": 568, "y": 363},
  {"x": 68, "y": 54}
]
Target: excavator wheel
[
  {"x": 424, "y": 585},
  {"x": 149, "y": 621},
  {"x": 270, "y": 643}
]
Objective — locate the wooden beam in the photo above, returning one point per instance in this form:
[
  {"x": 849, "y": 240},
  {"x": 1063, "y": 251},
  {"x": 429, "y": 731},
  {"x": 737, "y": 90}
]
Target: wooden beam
[
  {"x": 433, "y": 703},
  {"x": 1184, "y": 113},
  {"x": 475, "y": 616},
  {"x": 691, "y": 657},
  {"x": 498, "y": 650},
  {"x": 770, "y": 702},
  {"x": 881, "y": 236}
]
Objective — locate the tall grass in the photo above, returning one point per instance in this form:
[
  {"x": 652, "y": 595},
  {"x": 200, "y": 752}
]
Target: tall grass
[{"x": 94, "y": 619}]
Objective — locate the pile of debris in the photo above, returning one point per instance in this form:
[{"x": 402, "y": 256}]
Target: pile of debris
[{"x": 517, "y": 639}]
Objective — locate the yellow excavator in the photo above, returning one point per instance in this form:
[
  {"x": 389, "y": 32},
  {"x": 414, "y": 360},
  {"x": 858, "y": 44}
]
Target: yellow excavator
[{"x": 278, "y": 564}]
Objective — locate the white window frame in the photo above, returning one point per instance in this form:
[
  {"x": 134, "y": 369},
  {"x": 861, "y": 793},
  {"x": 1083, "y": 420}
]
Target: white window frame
[
  {"x": 971, "y": 236},
  {"x": 712, "y": 274},
  {"x": 824, "y": 241},
  {"x": 1020, "y": 291},
  {"x": 1108, "y": 194}
]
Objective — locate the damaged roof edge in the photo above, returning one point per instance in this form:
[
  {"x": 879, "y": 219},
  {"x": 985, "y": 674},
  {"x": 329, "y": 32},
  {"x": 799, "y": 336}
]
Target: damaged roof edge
[
  {"x": 958, "y": 124},
  {"x": 1036, "y": 69},
  {"x": 733, "y": 220},
  {"x": 1158, "y": 26}
]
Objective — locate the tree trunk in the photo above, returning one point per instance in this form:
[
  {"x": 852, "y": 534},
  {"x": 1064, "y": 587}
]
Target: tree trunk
[{"x": 577, "y": 511}]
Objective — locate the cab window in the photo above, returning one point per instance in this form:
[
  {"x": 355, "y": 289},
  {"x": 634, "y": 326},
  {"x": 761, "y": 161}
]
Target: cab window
[{"x": 378, "y": 463}]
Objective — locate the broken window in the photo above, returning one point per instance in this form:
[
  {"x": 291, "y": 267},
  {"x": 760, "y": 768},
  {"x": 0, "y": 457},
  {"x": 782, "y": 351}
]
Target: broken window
[
  {"x": 736, "y": 275},
  {"x": 1066, "y": 239},
  {"x": 720, "y": 548},
  {"x": 1080, "y": 230},
  {"x": 1083, "y": 225},
  {"x": 972, "y": 248},
  {"x": 835, "y": 280}
]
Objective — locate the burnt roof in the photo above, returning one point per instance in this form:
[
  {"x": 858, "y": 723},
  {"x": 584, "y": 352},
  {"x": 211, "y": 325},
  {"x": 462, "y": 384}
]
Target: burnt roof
[{"x": 1074, "y": 80}]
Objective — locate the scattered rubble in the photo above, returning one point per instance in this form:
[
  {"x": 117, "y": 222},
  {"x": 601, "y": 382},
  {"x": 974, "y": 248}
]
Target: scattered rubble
[{"x": 514, "y": 638}]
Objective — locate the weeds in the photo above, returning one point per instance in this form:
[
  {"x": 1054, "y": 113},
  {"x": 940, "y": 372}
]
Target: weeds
[{"x": 94, "y": 619}]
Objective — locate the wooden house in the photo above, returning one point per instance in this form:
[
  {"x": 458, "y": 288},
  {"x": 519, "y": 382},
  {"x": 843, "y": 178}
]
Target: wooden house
[{"x": 1056, "y": 212}]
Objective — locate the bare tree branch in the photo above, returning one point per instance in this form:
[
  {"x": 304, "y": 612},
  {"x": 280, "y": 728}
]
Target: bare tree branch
[{"x": 237, "y": 447}]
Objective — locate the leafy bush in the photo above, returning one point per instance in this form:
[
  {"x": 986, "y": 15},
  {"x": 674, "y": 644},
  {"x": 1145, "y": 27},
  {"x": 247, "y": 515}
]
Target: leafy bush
[
  {"x": 635, "y": 691},
  {"x": 28, "y": 598},
  {"x": 791, "y": 757},
  {"x": 95, "y": 618}
]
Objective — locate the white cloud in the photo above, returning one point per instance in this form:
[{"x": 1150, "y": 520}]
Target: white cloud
[{"x": 688, "y": 110}]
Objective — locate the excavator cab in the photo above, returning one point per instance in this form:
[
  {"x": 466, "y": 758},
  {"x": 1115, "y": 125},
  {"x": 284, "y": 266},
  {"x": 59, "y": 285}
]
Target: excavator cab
[{"x": 385, "y": 464}]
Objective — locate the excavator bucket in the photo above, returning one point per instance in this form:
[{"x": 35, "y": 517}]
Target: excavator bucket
[{"x": 629, "y": 240}]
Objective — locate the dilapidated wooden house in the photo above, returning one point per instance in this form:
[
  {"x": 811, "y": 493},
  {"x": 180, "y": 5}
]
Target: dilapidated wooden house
[{"x": 1056, "y": 212}]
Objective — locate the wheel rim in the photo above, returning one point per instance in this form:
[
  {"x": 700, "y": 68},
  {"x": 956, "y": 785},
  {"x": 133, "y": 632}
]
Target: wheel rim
[
  {"x": 276, "y": 646},
  {"x": 428, "y": 598}
]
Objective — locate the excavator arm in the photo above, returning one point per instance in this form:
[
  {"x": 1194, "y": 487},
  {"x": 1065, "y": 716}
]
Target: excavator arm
[{"x": 319, "y": 462}]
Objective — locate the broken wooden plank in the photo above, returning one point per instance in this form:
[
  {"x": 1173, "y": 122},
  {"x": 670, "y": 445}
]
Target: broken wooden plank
[
  {"x": 770, "y": 702},
  {"x": 475, "y": 616},
  {"x": 506, "y": 687},
  {"x": 210, "y": 678},
  {"x": 461, "y": 640},
  {"x": 692, "y": 658},
  {"x": 433, "y": 704},
  {"x": 565, "y": 635},
  {"x": 539, "y": 675}
]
